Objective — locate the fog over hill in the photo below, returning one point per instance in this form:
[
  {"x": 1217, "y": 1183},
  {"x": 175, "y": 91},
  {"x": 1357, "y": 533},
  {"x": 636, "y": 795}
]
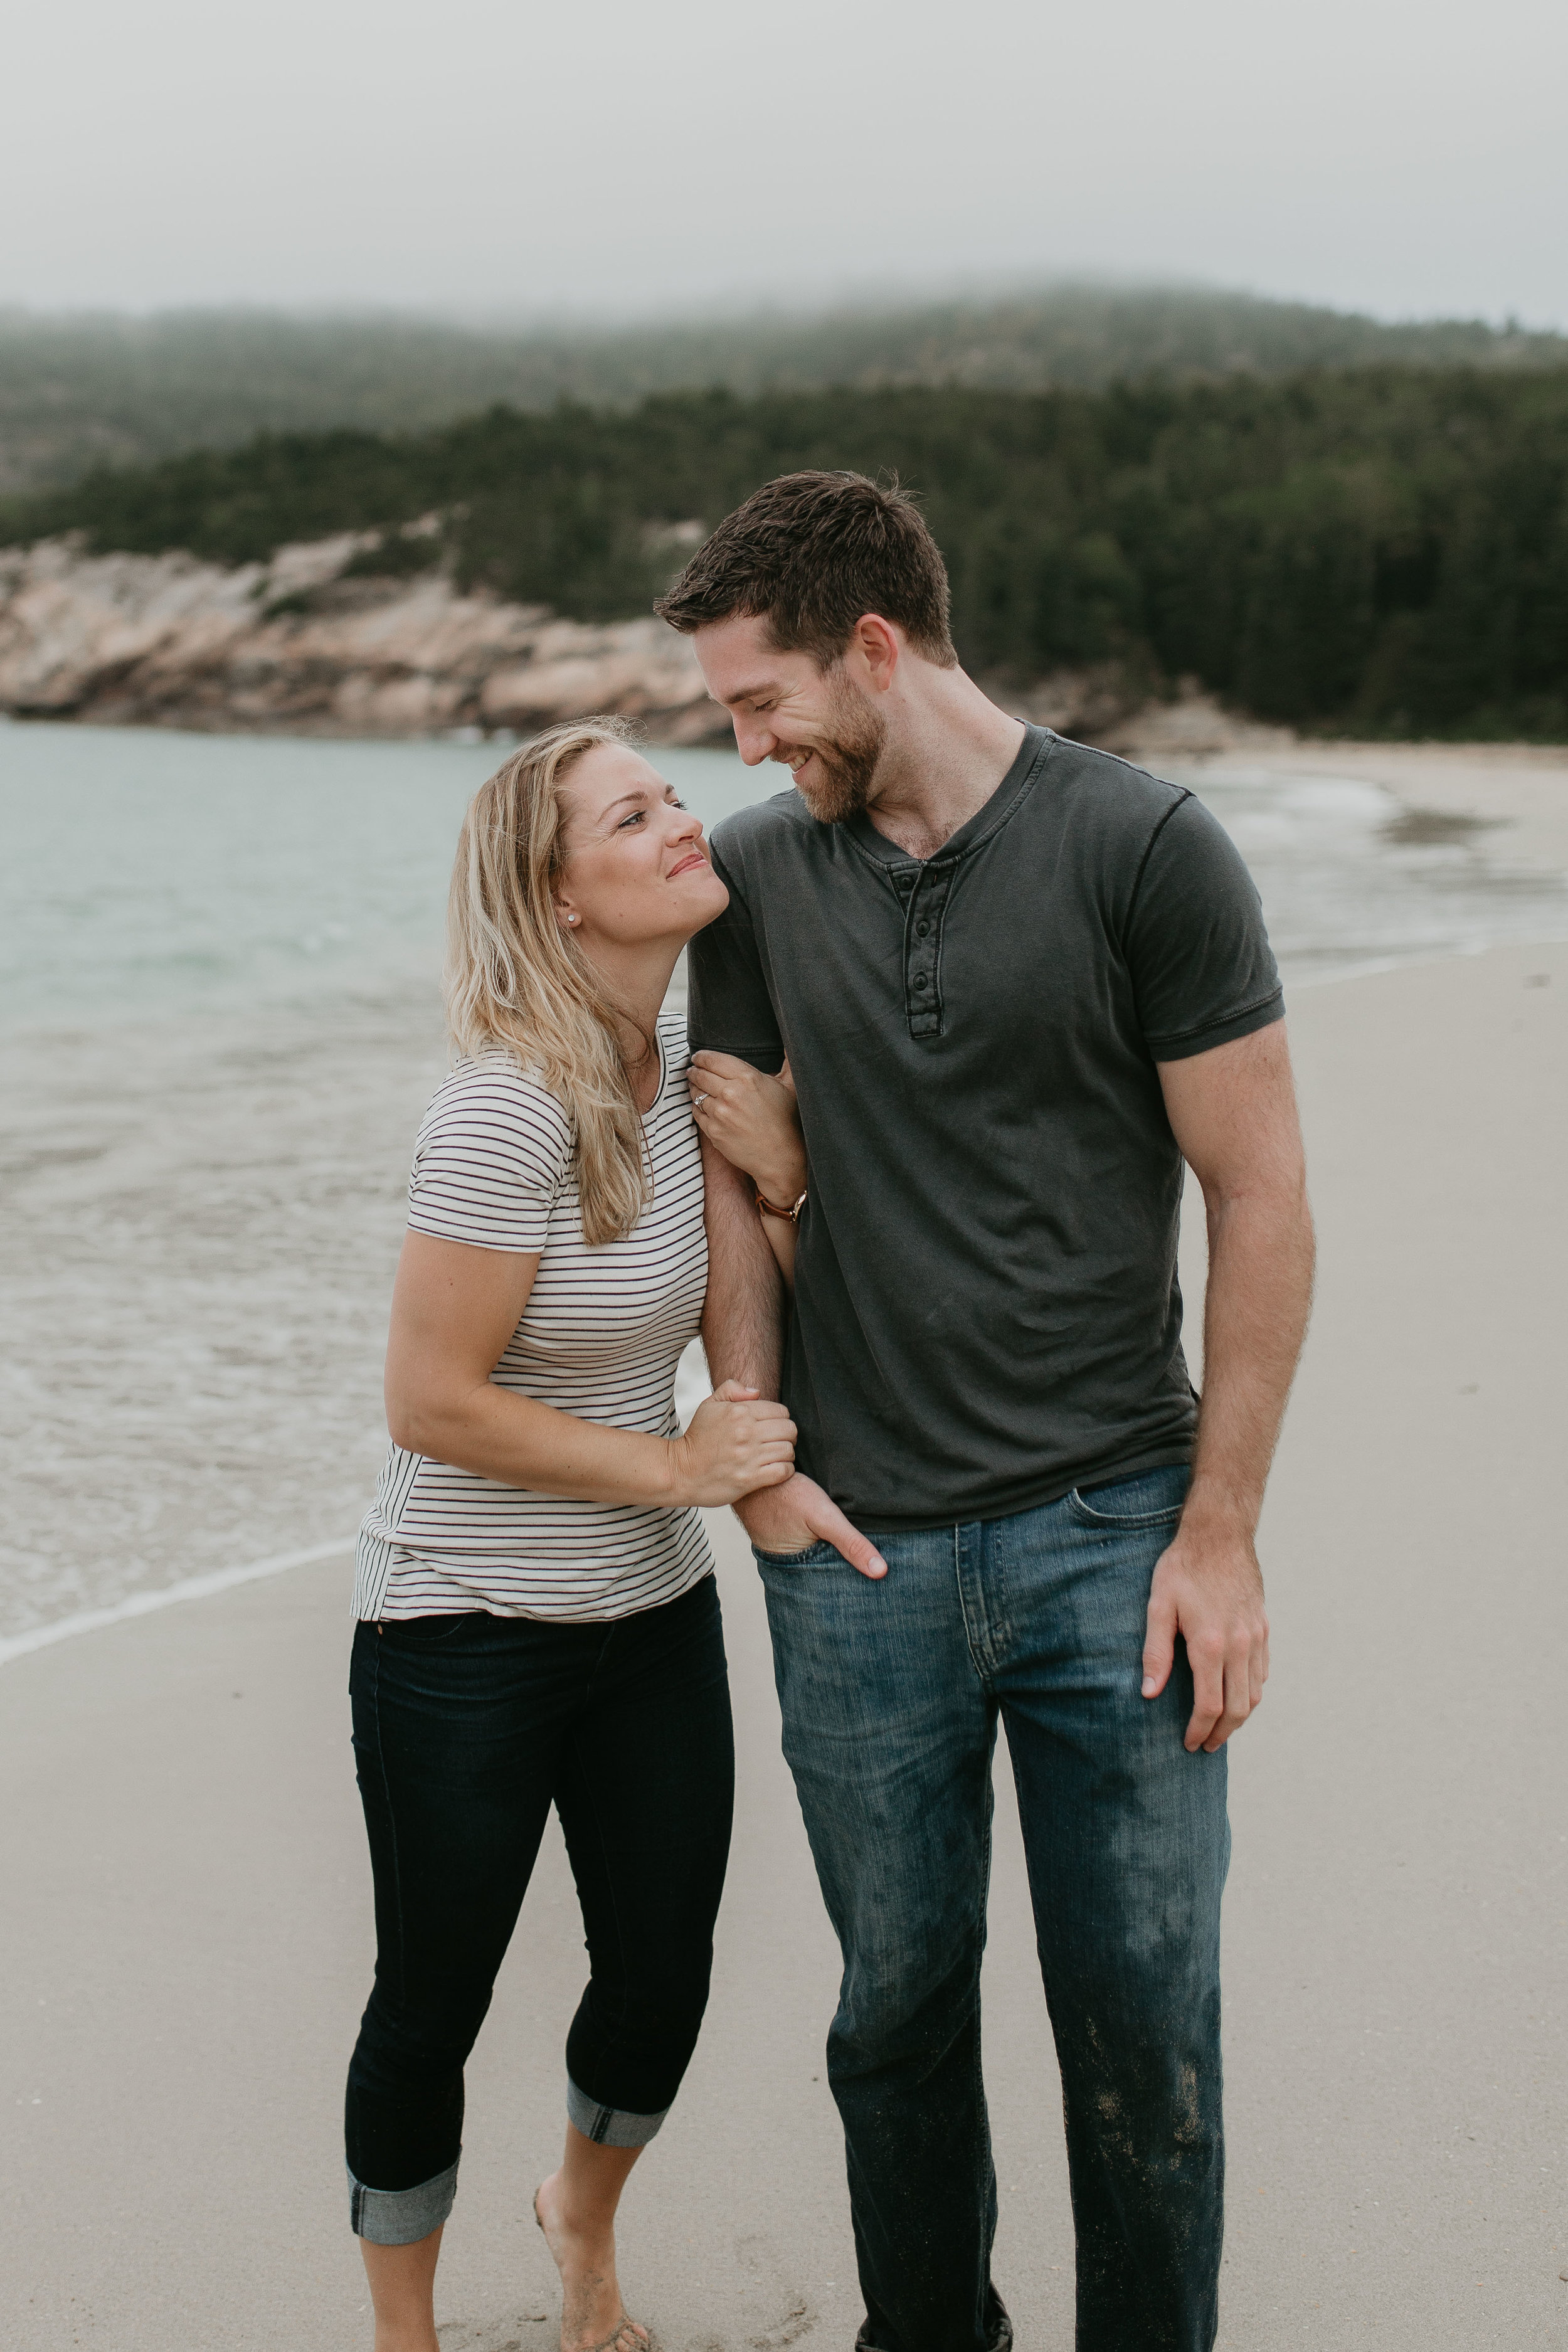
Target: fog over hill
[{"x": 81, "y": 392}]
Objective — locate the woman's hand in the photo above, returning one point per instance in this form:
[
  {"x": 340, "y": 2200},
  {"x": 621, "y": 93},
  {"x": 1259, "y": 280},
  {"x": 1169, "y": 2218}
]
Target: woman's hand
[
  {"x": 753, "y": 1121},
  {"x": 737, "y": 1442}
]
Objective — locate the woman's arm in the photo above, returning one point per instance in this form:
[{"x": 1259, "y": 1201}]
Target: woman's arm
[
  {"x": 454, "y": 1310},
  {"x": 753, "y": 1120}
]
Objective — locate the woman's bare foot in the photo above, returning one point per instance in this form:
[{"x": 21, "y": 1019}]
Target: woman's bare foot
[{"x": 593, "y": 2317}]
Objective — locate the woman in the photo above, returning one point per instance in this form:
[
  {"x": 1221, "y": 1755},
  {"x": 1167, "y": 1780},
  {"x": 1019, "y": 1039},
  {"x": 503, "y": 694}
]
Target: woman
[{"x": 538, "y": 1617}]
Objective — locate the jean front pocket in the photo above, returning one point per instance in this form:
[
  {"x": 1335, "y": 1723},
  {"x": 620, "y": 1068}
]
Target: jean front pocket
[
  {"x": 816, "y": 1555},
  {"x": 1152, "y": 1499}
]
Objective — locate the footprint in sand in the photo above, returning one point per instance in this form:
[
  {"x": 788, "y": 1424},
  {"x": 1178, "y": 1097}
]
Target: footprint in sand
[
  {"x": 500, "y": 2336},
  {"x": 774, "y": 2314}
]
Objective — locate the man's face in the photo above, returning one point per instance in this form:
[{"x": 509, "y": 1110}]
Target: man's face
[{"x": 817, "y": 723}]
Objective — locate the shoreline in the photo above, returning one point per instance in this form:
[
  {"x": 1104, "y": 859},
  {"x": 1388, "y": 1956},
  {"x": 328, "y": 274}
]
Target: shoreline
[
  {"x": 1470, "y": 789},
  {"x": 1513, "y": 794},
  {"x": 165, "y": 1596}
]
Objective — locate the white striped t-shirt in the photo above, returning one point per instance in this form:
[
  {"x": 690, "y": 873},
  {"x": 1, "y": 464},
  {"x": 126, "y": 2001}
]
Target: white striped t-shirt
[{"x": 600, "y": 1338}]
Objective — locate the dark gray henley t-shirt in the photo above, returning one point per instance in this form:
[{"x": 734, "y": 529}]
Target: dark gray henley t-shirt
[{"x": 987, "y": 1311}]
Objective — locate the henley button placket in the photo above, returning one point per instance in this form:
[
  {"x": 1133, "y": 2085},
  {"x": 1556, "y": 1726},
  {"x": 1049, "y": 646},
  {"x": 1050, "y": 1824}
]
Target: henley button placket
[{"x": 925, "y": 893}]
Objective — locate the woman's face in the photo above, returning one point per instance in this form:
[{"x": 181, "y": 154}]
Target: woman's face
[{"x": 637, "y": 868}]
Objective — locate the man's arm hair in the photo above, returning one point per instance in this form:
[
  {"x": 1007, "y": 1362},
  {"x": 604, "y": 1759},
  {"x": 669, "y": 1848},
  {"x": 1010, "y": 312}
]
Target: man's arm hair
[{"x": 743, "y": 1316}]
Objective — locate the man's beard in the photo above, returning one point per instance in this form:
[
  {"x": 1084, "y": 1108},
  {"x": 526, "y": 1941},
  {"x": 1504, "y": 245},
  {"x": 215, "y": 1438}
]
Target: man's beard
[{"x": 845, "y": 762}]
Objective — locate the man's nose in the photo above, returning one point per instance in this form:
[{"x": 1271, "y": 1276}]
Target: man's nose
[{"x": 753, "y": 741}]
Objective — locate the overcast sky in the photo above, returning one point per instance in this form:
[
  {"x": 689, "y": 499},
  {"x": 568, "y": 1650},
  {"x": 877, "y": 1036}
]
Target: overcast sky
[{"x": 1405, "y": 156}]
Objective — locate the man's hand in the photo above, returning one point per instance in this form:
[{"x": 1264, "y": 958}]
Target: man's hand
[
  {"x": 1208, "y": 1588},
  {"x": 797, "y": 1514}
]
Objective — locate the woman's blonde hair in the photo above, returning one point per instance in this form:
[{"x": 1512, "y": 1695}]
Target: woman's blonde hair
[{"x": 518, "y": 983}]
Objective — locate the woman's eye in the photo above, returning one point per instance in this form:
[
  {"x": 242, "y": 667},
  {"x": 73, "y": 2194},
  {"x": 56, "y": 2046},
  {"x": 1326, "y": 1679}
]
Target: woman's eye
[{"x": 635, "y": 818}]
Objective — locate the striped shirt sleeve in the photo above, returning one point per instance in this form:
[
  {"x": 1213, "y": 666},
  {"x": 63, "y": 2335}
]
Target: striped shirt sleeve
[{"x": 492, "y": 1152}]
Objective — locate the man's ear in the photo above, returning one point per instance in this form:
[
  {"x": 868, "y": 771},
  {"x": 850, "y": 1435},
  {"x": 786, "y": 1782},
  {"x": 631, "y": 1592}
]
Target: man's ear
[{"x": 879, "y": 645}]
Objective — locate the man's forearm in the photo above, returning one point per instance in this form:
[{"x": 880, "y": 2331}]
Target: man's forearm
[
  {"x": 1255, "y": 1318},
  {"x": 742, "y": 1329},
  {"x": 742, "y": 1319}
]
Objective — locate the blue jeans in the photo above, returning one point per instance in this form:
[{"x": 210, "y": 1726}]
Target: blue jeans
[{"x": 891, "y": 1695}]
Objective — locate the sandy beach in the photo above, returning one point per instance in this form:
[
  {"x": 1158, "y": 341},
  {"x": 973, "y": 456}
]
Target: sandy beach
[
  {"x": 186, "y": 1940},
  {"x": 1515, "y": 792}
]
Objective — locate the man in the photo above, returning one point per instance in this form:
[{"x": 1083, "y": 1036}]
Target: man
[{"x": 1017, "y": 983}]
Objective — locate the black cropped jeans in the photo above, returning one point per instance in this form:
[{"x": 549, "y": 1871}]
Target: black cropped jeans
[{"x": 466, "y": 1730}]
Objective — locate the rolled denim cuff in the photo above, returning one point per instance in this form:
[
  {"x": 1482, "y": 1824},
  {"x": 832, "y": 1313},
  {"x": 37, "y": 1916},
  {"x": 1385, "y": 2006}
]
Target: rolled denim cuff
[
  {"x": 610, "y": 2127},
  {"x": 401, "y": 2217}
]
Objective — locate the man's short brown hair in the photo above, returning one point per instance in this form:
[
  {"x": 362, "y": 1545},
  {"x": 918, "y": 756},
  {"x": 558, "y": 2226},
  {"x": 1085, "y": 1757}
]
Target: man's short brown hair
[{"x": 811, "y": 554}]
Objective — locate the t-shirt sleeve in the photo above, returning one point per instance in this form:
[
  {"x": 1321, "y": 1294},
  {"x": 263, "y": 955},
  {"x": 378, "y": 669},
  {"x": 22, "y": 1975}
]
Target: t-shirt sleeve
[
  {"x": 491, "y": 1154},
  {"x": 1202, "y": 966},
  {"x": 729, "y": 1010}
]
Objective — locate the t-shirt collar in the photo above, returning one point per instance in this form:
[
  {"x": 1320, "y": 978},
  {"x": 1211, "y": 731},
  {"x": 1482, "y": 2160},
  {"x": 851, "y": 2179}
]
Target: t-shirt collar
[{"x": 1031, "y": 755}]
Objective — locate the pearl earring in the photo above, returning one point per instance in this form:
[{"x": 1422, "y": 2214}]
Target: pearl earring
[{"x": 572, "y": 918}]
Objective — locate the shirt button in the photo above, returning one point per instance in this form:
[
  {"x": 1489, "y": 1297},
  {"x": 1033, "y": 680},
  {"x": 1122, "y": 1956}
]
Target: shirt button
[
  {"x": 921, "y": 980},
  {"x": 920, "y": 929}
]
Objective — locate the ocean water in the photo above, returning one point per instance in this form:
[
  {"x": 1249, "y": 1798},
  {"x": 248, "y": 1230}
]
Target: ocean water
[
  {"x": 151, "y": 875},
  {"x": 218, "y": 1027}
]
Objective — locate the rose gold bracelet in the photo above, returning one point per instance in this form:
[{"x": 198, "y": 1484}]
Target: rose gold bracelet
[{"x": 771, "y": 1208}]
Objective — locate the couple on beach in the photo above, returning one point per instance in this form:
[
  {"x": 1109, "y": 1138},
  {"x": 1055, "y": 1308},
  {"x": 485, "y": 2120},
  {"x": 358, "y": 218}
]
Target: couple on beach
[{"x": 961, "y": 1004}]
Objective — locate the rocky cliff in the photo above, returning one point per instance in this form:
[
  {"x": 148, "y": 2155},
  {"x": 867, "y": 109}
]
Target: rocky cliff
[{"x": 315, "y": 643}]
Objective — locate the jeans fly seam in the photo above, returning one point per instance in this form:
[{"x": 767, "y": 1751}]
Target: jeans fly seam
[{"x": 978, "y": 1653}]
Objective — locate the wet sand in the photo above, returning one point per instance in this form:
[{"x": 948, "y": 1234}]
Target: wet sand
[
  {"x": 186, "y": 1939},
  {"x": 201, "y": 1220}
]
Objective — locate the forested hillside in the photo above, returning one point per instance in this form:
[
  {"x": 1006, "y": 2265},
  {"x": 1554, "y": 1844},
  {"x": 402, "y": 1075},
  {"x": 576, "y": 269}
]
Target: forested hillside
[
  {"x": 80, "y": 391},
  {"x": 1379, "y": 550}
]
